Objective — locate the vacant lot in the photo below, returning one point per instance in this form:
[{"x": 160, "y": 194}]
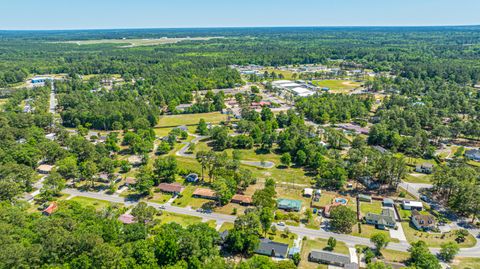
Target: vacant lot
[
  {"x": 125, "y": 43},
  {"x": 184, "y": 220},
  {"x": 85, "y": 201},
  {"x": 464, "y": 263}
]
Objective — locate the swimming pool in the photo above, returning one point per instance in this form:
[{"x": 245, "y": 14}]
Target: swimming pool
[{"x": 342, "y": 201}]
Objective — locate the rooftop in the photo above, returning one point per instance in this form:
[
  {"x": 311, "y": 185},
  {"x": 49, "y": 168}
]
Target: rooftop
[
  {"x": 330, "y": 257},
  {"x": 267, "y": 247},
  {"x": 126, "y": 219},
  {"x": 204, "y": 192},
  {"x": 171, "y": 187}
]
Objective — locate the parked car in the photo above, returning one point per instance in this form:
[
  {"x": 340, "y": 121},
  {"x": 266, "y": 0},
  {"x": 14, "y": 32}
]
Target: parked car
[
  {"x": 314, "y": 211},
  {"x": 281, "y": 223}
]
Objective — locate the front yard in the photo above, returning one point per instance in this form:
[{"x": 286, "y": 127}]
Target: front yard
[{"x": 434, "y": 239}]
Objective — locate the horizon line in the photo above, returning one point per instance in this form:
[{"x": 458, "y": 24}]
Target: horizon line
[{"x": 245, "y": 27}]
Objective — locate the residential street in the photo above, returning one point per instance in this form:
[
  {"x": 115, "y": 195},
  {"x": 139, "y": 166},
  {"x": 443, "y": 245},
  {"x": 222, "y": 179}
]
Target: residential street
[{"x": 300, "y": 231}]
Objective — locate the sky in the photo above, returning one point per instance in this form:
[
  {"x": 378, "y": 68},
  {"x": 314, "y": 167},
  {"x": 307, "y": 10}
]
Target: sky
[{"x": 116, "y": 14}]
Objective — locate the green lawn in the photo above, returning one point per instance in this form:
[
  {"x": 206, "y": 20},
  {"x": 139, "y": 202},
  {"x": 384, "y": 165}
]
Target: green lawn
[
  {"x": 395, "y": 256},
  {"x": 338, "y": 86},
  {"x": 190, "y": 119},
  {"x": 368, "y": 231},
  {"x": 282, "y": 237},
  {"x": 318, "y": 244},
  {"x": 418, "y": 178},
  {"x": 464, "y": 263},
  {"x": 160, "y": 198},
  {"x": 181, "y": 219},
  {"x": 372, "y": 207},
  {"x": 186, "y": 199},
  {"x": 85, "y": 201},
  {"x": 434, "y": 239},
  {"x": 226, "y": 226}
]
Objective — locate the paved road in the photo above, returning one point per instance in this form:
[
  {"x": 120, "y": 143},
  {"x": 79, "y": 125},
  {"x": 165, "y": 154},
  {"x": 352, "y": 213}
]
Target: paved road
[
  {"x": 414, "y": 188},
  {"x": 300, "y": 231}
]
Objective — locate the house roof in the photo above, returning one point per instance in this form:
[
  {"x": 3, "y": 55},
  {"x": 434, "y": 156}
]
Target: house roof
[
  {"x": 267, "y": 246},
  {"x": 171, "y": 187},
  {"x": 413, "y": 203},
  {"x": 204, "y": 192},
  {"x": 290, "y": 203},
  {"x": 45, "y": 167},
  {"x": 387, "y": 216},
  {"x": 308, "y": 191},
  {"x": 126, "y": 219},
  {"x": 423, "y": 220},
  {"x": 330, "y": 257},
  {"x": 364, "y": 196},
  {"x": 388, "y": 201},
  {"x": 130, "y": 180},
  {"x": 242, "y": 198},
  {"x": 51, "y": 208},
  {"x": 426, "y": 165}
]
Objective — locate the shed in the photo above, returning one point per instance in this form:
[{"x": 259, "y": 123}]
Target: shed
[
  {"x": 50, "y": 209},
  {"x": 365, "y": 198},
  {"x": 388, "y": 202},
  {"x": 412, "y": 205},
  {"x": 308, "y": 192}
]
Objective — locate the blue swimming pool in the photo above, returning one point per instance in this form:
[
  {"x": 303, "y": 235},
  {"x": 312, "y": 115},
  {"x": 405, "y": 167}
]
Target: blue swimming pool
[{"x": 342, "y": 201}]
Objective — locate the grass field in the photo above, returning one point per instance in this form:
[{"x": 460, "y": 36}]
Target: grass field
[
  {"x": 372, "y": 207},
  {"x": 368, "y": 231},
  {"x": 464, "y": 263},
  {"x": 139, "y": 42},
  {"x": 435, "y": 239},
  {"x": 189, "y": 119},
  {"x": 286, "y": 74},
  {"x": 85, "y": 201},
  {"x": 395, "y": 256},
  {"x": 318, "y": 244},
  {"x": 338, "y": 86},
  {"x": 183, "y": 220},
  {"x": 186, "y": 199},
  {"x": 160, "y": 198},
  {"x": 226, "y": 226},
  {"x": 418, "y": 178}
]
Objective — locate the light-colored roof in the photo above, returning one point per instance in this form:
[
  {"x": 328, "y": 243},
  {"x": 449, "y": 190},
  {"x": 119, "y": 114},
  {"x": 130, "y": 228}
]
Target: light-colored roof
[
  {"x": 308, "y": 191},
  {"x": 130, "y": 180},
  {"x": 171, "y": 187},
  {"x": 413, "y": 203},
  {"x": 127, "y": 219},
  {"x": 45, "y": 167},
  {"x": 330, "y": 257}
]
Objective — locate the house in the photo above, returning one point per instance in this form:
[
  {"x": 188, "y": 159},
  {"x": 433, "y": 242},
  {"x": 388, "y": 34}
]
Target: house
[
  {"x": 126, "y": 219},
  {"x": 273, "y": 249},
  {"x": 308, "y": 192},
  {"x": 387, "y": 202},
  {"x": 173, "y": 188},
  {"x": 412, "y": 205},
  {"x": 425, "y": 168},
  {"x": 380, "y": 149},
  {"x": 45, "y": 169},
  {"x": 135, "y": 160},
  {"x": 242, "y": 199},
  {"x": 130, "y": 181},
  {"x": 473, "y": 154},
  {"x": 50, "y": 209},
  {"x": 192, "y": 178},
  {"x": 289, "y": 204},
  {"x": 104, "y": 177},
  {"x": 331, "y": 258},
  {"x": 365, "y": 198},
  {"x": 205, "y": 193},
  {"x": 382, "y": 221},
  {"x": 422, "y": 222}
]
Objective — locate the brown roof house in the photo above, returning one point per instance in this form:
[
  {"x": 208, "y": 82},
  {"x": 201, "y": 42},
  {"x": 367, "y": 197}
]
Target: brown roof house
[
  {"x": 50, "y": 209},
  {"x": 205, "y": 193},
  {"x": 174, "y": 188},
  {"x": 242, "y": 199},
  {"x": 422, "y": 222},
  {"x": 126, "y": 218},
  {"x": 130, "y": 181},
  {"x": 45, "y": 168}
]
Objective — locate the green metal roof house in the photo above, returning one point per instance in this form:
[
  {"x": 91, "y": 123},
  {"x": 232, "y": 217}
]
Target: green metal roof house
[{"x": 289, "y": 204}]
